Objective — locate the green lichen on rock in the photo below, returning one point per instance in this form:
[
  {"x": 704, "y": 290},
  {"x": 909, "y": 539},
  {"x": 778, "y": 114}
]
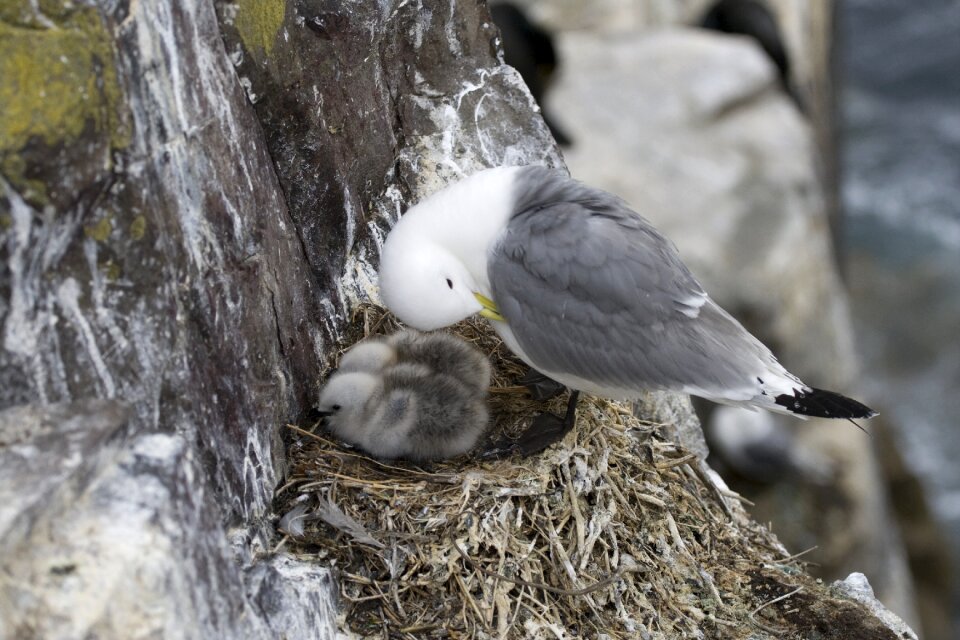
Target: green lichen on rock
[
  {"x": 14, "y": 167},
  {"x": 58, "y": 79},
  {"x": 111, "y": 270},
  {"x": 36, "y": 15},
  {"x": 138, "y": 228},
  {"x": 257, "y": 22},
  {"x": 99, "y": 231}
]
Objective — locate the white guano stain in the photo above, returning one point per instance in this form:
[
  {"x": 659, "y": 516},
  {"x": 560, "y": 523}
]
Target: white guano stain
[
  {"x": 68, "y": 297},
  {"x": 105, "y": 316},
  {"x": 350, "y": 211},
  {"x": 360, "y": 280},
  {"x": 178, "y": 103},
  {"x": 19, "y": 333},
  {"x": 469, "y": 87},
  {"x": 24, "y": 322},
  {"x": 450, "y": 29}
]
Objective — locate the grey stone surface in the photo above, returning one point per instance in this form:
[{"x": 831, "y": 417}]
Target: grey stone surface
[
  {"x": 106, "y": 532},
  {"x": 157, "y": 272},
  {"x": 806, "y": 28},
  {"x": 47, "y": 454},
  {"x": 366, "y": 108},
  {"x": 857, "y": 587},
  {"x": 293, "y": 597},
  {"x": 674, "y": 410}
]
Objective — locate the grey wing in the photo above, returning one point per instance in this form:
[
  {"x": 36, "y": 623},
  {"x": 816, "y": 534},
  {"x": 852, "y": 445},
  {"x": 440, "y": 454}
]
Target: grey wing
[{"x": 591, "y": 289}]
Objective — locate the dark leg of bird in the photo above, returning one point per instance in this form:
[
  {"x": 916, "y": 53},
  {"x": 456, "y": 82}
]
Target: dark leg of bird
[
  {"x": 545, "y": 429},
  {"x": 540, "y": 386},
  {"x": 548, "y": 428}
]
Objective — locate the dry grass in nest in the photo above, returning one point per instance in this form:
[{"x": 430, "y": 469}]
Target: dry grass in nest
[{"x": 612, "y": 532}]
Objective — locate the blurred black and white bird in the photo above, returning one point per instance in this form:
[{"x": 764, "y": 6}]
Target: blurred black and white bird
[
  {"x": 529, "y": 48},
  {"x": 755, "y": 20},
  {"x": 414, "y": 396}
]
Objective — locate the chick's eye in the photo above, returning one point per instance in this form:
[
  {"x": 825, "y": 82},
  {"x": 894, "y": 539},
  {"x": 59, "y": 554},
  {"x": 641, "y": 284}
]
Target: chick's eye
[
  {"x": 450, "y": 283},
  {"x": 336, "y": 407}
]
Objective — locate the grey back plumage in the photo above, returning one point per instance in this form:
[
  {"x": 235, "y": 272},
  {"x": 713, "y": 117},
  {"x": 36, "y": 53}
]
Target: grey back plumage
[{"x": 590, "y": 288}]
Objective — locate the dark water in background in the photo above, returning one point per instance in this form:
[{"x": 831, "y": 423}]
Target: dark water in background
[{"x": 901, "y": 192}]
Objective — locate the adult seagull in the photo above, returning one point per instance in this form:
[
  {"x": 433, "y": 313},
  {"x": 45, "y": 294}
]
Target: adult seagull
[{"x": 584, "y": 290}]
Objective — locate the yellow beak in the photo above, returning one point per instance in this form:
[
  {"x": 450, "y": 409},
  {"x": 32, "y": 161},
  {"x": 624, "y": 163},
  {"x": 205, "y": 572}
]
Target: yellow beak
[{"x": 489, "y": 310}]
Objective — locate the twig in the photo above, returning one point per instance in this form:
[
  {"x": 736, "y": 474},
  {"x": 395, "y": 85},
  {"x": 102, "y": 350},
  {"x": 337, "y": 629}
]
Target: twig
[
  {"x": 789, "y": 559},
  {"x": 574, "y": 506},
  {"x": 306, "y": 433},
  {"x": 466, "y": 593},
  {"x": 516, "y": 613},
  {"x": 701, "y": 473},
  {"x": 280, "y": 544},
  {"x": 675, "y": 533},
  {"x": 596, "y": 586},
  {"x": 420, "y": 627},
  {"x": 352, "y": 600},
  {"x": 715, "y": 620},
  {"x": 676, "y": 462},
  {"x": 767, "y": 604},
  {"x": 733, "y": 495},
  {"x": 657, "y": 502},
  {"x": 713, "y": 587}
]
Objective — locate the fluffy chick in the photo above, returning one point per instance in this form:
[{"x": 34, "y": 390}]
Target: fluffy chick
[
  {"x": 406, "y": 411},
  {"x": 440, "y": 352}
]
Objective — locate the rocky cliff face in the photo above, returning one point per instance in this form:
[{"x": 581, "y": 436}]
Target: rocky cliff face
[
  {"x": 148, "y": 257},
  {"x": 186, "y": 215},
  {"x": 191, "y": 200}
]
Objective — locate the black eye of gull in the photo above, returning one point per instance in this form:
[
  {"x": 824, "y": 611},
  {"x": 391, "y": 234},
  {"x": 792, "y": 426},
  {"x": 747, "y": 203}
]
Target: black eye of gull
[
  {"x": 450, "y": 283},
  {"x": 336, "y": 407}
]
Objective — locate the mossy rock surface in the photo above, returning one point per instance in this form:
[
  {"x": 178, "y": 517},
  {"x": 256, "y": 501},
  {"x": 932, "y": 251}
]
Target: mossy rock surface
[{"x": 59, "y": 95}]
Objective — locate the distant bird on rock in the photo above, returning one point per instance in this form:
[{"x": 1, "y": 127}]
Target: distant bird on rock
[
  {"x": 529, "y": 49},
  {"x": 758, "y": 447},
  {"x": 753, "y": 19},
  {"x": 414, "y": 396}
]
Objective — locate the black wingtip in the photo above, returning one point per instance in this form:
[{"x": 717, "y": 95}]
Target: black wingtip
[{"x": 819, "y": 403}]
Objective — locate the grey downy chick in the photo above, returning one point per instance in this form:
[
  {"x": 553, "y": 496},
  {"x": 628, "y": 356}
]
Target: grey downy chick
[
  {"x": 405, "y": 411},
  {"x": 445, "y": 354},
  {"x": 440, "y": 352},
  {"x": 372, "y": 355}
]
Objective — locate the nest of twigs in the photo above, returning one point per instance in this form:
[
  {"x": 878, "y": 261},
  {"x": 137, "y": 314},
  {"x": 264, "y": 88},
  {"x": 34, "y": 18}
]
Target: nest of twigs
[{"x": 614, "y": 531}]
